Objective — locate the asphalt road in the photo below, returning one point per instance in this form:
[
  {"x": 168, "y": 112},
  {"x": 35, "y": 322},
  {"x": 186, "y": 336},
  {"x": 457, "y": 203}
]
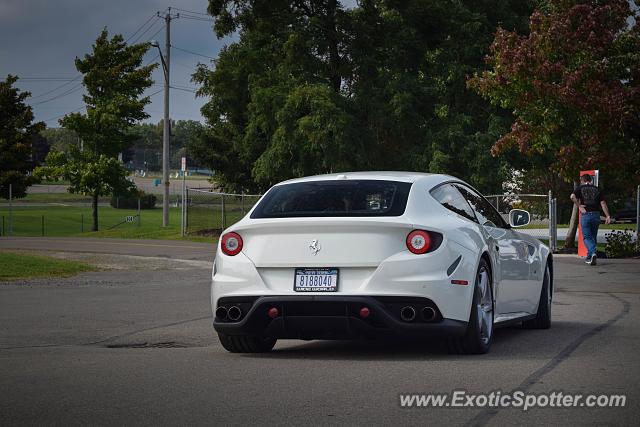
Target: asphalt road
[
  {"x": 136, "y": 347},
  {"x": 145, "y": 184},
  {"x": 153, "y": 248}
]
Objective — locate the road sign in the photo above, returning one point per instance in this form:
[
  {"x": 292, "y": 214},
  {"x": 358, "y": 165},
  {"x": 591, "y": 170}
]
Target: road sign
[{"x": 184, "y": 164}]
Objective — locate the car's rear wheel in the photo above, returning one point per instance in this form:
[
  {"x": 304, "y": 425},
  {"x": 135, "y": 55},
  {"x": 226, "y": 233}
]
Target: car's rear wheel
[
  {"x": 543, "y": 316},
  {"x": 477, "y": 339},
  {"x": 246, "y": 343}
]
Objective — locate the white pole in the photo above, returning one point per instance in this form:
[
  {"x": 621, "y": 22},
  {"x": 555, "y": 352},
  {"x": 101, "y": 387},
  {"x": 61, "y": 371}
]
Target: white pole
[
  {"x": 182, "y": 221},
  {"x": 10, "y": 210},
  {"x": 223, "y": 221},
  {"x": 555, "y": 224},
  {"x": 638, "y": 213},
  {"x": 550, "y": 220}
]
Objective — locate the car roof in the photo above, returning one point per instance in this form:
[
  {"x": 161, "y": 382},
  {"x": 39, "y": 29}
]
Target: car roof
[{"x": 433, "y": 179}]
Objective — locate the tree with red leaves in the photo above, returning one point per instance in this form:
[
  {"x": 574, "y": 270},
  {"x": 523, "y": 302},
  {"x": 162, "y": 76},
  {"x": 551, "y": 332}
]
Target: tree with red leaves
[{"x": 573, "y": 84}]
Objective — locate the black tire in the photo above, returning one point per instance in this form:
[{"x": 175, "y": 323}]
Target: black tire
[
  {"x": 543, "y": 316},
  {"x": 478, "y": 337},
  {"x": 246, "y": 343}
]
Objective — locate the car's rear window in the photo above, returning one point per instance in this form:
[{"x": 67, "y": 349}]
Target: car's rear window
[{"x": 334, "y": 198}]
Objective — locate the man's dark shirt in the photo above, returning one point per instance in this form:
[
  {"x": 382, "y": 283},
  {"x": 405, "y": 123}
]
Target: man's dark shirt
[{"x": 590, "y": 196}]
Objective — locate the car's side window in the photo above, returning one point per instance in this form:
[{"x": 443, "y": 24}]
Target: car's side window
[
  {"x": 486, "y": 213},
  {"x": 450, "y": 198}
]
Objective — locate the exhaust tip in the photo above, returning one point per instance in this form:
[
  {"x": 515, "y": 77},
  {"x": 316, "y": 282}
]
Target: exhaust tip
[
  {"x": 221, "y": 313},
  {"x": 428, "y": 314},
  {"x": 408, "y": 313},
  {"x": 234, "y": 313}
]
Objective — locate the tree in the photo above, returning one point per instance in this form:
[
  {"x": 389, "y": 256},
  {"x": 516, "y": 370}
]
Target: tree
[
  {"x": 89, "y": 174},
  {"x": 17, "y": 132},
  {"x": 60, "y": 139},
  {"x": 114, "y": 79},
  {"x": 311, "y": 87},
  {"x": 573, "y": 86},
  {"x": 183, "y": 134},
  {"x": 40, "y": 147}
]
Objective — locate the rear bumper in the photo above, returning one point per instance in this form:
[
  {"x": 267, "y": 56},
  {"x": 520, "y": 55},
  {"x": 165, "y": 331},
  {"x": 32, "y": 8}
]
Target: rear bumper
[{"x": 334, "y": 317}]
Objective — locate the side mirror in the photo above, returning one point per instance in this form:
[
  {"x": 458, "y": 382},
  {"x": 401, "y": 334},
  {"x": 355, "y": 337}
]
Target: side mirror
[{"x": 519, "y": 218}]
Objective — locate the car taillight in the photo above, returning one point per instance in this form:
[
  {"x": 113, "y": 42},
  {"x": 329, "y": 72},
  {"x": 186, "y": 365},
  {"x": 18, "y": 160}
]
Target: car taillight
[
  {"x": 231, "y": 244},
  {"x": 419, "y": 241}
]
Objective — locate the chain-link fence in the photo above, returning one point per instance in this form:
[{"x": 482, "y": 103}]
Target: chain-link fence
[
  {"x": 542, "y": 208},
  {"x": 54, "y": 220},
  {"x": 209, "y": 212},
  {"x": 65, "y": 214}
]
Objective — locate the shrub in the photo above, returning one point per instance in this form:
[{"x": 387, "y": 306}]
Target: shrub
[
  {"x": 147, "y": 201},
  {"x": 621, "y": 244}
]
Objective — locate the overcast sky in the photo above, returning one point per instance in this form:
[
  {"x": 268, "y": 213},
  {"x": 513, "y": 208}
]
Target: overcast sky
[{"x": 39, "y": 39}]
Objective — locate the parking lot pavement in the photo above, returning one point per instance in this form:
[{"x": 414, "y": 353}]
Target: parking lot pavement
[
  {"x": 137, "y": 347},
  {"x": 543, "y": 233}
]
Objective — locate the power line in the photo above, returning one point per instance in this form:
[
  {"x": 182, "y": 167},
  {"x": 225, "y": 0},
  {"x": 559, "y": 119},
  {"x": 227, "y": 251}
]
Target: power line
[
  {"x": 55, "y": 88},
  {"x": 79, "y": 76},
  {"x": 71, "y": 90},
  {"x": 48, "y": 79},
  {"x": 191, "y": 67},
  {"x": 193, "y": 53},
  {"x": 190, "y": 11},
  {"x": 81, "y": 107},
  {"x": 156, "y": 33},
  {"x": 154, "y": 93},
  {"x": 63, "y": 94},
  {"x": 185, "y": 90},
  {"x": 186, "y": 116},
  {"x": 140, "y": 27},
  {"x": 141, "y": 35},
  {"x": 152, "y": 60},
  {"x": 62, "y": 115},
  {"x": 186, "y": 86},
  {"x": 196, "y": 18}
]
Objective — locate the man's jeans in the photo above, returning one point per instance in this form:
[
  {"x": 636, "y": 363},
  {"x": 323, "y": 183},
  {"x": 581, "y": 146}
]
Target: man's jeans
[{"x": 589, "y": 223}]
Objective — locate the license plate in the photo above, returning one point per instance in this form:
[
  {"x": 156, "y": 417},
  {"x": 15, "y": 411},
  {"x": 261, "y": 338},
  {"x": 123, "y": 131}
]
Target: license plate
[{"x": 316, "y": 280}]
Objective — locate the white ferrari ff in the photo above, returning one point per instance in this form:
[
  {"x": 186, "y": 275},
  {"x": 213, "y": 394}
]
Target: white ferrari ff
[{"x": 375, "y": 254}]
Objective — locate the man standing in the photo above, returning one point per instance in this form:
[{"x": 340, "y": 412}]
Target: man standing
[{"x": 588, "y": 198}]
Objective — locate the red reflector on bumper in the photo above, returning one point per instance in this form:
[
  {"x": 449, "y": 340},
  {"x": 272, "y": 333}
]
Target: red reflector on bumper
[
  {"x": 365, "y": 312},
  {"x": 459, "y": 282},
  {"x": 273, "y": 312}
]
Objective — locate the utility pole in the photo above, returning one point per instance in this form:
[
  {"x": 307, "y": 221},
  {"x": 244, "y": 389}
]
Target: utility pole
[{"x": 166, "y": 63}]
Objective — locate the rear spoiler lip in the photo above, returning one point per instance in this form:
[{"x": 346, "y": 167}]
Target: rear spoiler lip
[{"x": 249, "y": 223}]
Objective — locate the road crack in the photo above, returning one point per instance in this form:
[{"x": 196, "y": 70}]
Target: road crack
[{"x": 484, "y": 416}]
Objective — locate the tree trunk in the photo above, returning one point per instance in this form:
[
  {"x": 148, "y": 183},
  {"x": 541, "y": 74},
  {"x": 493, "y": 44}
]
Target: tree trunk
[
  {"x": 94, "y": 212},
  {"x": 570, "y": 241}
]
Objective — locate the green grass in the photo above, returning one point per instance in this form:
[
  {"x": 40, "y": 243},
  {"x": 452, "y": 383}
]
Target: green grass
[
  {"x": 22, "y": 266},
  {"x": 76, "y": 221}
]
